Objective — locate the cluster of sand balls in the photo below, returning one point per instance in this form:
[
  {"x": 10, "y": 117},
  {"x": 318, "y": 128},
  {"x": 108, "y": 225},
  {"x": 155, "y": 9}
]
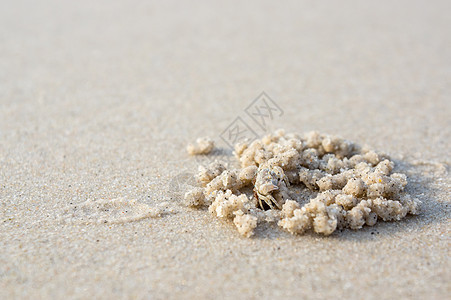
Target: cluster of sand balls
[{"x": 313, "y": 182}]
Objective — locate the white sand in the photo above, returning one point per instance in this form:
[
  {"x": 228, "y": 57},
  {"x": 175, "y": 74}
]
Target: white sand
[{"x": 99, "y": 100}]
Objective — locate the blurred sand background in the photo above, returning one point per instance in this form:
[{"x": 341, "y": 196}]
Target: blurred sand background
[{"x": 98, "y": 100}]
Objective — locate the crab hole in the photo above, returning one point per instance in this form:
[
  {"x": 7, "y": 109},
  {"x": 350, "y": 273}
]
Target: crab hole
[{"x": 265, "y": 206}]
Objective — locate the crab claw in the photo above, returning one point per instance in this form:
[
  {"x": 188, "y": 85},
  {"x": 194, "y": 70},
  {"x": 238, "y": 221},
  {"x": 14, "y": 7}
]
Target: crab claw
[{"x": 267, "y": 188}]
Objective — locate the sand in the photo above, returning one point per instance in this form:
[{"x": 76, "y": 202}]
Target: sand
[
  {"x": 312, "y": 182},
  {"x": 99, "y": 100}
]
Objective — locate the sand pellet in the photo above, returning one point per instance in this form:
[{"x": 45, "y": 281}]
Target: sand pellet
[{"x": 349, "y": 186}]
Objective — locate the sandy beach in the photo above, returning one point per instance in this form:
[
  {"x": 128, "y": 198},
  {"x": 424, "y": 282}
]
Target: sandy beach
[{"x": 99, "y": 100}]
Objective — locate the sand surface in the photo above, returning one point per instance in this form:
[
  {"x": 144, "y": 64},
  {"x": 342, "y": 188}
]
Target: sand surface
[{"x": 98, "y": 102}]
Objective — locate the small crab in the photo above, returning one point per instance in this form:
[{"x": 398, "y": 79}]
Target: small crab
[{"x": 269, "y": 183}]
